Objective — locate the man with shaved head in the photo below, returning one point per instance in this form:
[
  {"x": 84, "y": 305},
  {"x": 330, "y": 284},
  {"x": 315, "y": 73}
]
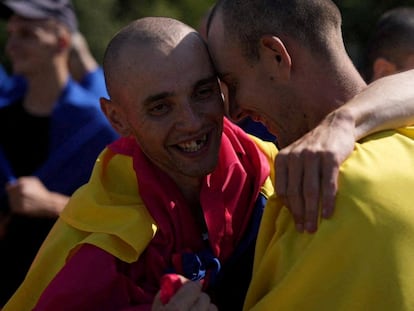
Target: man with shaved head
[
  {"x": 182, "y": 192},
  {"x": 285, "y": 63}
]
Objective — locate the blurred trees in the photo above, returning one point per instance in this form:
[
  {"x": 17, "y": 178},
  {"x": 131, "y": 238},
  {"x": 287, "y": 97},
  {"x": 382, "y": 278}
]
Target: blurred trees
[{"x": 100, "y": 19}]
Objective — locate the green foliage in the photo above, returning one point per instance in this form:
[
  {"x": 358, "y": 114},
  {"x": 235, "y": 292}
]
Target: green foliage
[
  {"x": 97, "y": 23},
  {"x": 99, "y": 20}
]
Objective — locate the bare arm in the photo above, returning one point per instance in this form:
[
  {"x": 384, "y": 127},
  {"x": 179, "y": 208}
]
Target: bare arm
[
  {"x": 307, "y": 170},
  {"x": 386, "y": 103}
]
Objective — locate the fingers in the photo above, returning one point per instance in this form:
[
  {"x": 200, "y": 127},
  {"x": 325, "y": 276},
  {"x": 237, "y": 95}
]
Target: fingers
[
  {"x": 294, "y": 195},
  {"x": 304, "y": 179},
  {"x": 188, "y": 297},
  {"x": 329, "y": 184},
  {"x": 203, "y": 303},
  {"x": 281, "y": 174},
  {"x": 170, "y": 283},
  {"x": 308, "y": 169},
  {"x": 311, "y": 191},
  {"x": 288, "y": 188}
]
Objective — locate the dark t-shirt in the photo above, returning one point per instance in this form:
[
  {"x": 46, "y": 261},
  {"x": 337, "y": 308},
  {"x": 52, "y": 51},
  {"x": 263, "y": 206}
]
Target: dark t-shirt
[{"x": 24, "y": 139}]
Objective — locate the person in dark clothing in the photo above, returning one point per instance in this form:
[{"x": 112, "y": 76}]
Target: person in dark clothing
[{"x": 50, "y": 133}]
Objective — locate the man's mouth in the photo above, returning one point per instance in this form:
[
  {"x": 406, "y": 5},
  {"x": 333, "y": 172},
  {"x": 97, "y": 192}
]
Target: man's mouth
[{"x": 193, "y": 145}]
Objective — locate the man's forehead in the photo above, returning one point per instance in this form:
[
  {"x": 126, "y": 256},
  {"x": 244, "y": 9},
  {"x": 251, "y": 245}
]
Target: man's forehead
[
  {"x": 166, "y": 73},
  {"x": 165, "y": 52},
  {"x": 215, "y": 22},
  {"x": 161, "y": 67},
  {"x": 218, "y": 45},
  {"x": 216, "y": 37}
]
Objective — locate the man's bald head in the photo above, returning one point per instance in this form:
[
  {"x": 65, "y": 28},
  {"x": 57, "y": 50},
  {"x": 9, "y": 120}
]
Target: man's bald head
[
  {"x": 131, "y": 48},
  {"x": 313, "y": 23},
  {"x": 164, "y": 93}
]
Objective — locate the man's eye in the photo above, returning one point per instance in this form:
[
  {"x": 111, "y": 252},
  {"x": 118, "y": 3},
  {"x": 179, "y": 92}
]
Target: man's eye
[
  {"x": 207, "y": 91},
  {"x": 159, "y": 109},
  {"x": 204, "y": 93}
]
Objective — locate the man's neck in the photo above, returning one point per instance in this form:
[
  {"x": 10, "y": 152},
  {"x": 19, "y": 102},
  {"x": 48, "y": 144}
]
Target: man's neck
[
  {"x": 334, "y": 87},
  {"x": 44, "y": 90}
]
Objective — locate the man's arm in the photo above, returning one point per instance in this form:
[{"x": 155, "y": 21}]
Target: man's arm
[
  {"x": 386, "y": 103},
  {"x": 307, "y": 170}
]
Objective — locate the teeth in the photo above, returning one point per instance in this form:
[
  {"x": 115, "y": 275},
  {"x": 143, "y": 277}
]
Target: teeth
[{"x": 193, "y": 145}]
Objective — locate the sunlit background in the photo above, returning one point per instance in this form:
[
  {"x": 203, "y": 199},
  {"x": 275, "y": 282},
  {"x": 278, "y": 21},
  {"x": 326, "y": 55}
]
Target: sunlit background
[{"x": 100, "y": 19}]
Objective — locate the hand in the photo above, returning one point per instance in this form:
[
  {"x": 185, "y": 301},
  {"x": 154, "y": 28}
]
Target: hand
[
  {"x": 188, "y": 297},
  {"x": 307, "y": 170},
  {"x": 28, "y": 196}
]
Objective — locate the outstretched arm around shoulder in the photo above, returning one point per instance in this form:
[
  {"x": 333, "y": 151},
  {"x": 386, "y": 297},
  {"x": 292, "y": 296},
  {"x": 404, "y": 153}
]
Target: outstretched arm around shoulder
[{"x": 307, "y": 170}]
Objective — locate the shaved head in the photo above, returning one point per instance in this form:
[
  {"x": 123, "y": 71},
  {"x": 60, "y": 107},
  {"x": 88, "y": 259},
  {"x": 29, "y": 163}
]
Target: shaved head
[
  {"x": 164, "y": 93},
  {"x": 312, "y": 22},
  {"x": 130, "y": 49}
]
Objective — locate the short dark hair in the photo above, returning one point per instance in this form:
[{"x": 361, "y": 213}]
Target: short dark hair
[
  {"x": 304, "y": 20},
  {"x": 392, "y": 38}
]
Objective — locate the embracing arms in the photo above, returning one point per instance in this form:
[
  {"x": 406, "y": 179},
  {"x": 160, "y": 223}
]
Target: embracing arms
[{"x": 307, "y": 170}]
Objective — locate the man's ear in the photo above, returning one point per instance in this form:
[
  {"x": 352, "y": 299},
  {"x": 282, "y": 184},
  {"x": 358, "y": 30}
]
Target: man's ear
[
  {"x": 277, "y": 55},
  {"x": 382, "y": 67},
  {"x": 115, "y": 116}
]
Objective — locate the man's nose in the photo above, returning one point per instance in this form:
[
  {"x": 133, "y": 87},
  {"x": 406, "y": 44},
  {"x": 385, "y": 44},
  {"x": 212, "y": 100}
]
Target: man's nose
[
  {"x": 189, "y": 116},
  {"x": 234, "y": 111}
]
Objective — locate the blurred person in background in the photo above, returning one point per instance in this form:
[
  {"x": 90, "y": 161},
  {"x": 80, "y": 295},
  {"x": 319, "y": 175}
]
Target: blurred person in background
[
  {"x": 50, "y": 135},
  {"x": 391, "y": 46},
  {"x": 11, "y": 86},
  {"x": 84, "y": 68}
]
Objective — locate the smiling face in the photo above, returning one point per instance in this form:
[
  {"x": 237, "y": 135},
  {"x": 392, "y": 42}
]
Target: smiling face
[
  {"x": 260, "y": 88},
  {"x": 168, "y": 98}
]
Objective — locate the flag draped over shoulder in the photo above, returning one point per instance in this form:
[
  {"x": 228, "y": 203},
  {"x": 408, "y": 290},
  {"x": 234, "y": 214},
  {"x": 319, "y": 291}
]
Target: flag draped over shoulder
[{"x": 132, "y": 218}]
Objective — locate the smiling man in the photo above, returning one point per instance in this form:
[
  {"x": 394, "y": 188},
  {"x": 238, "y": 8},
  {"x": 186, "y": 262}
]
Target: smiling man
[
  {"x": 160, "y": 196},
  {"x": 182, "y": 191},
  {"x": 285, "y": 63}
]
